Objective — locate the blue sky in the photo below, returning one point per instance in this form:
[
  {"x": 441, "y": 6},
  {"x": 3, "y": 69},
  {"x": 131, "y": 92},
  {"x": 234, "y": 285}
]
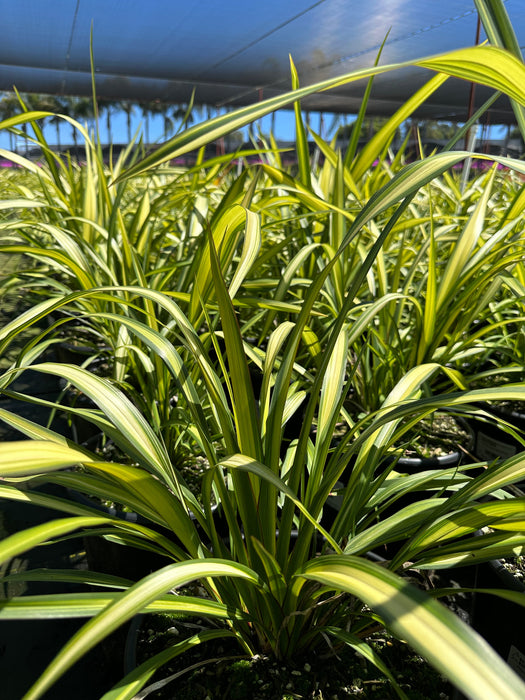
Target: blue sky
[{"x": 284, "y": 127}]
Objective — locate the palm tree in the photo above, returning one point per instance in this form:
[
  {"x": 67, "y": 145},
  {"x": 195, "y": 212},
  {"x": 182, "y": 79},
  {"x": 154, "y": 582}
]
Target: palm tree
[
  {"x": 128, "y": 108},
  {"x": 51, "y": 103},
  {"x": 9, "y": 107},
  {"x": 169, "y": 125},
  {"x": 109, "y": 107},
  {"x": 186, "y": 113},
  {"x": 29, "y": 102},
  {"x": 150, "y": 108},
  {"x": 81, "y": 109}
]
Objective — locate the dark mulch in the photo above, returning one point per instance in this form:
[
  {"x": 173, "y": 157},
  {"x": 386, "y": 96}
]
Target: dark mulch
[{"x": 325, "y": 675}]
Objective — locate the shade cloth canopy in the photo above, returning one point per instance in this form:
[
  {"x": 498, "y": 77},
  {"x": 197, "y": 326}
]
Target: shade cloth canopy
[{"x": 236, "y": 51}]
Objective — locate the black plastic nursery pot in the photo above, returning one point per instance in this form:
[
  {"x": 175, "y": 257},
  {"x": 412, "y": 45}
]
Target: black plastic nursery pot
[
  {"x": 410, "y": 465},
  {"x": 132, "y": 563},
  {"x": 403, "y": 465},
  {"x": 456, "y": 449},
  {"x": 83, "y": 430},
  {"x": 501, "y": 622},
  {"x": 105, "y": 554},
  {"x": 109, "y": 557},
  {"x": 415, "y": 465},
  {"x": 412, "y": 462},
  {"x": 28, "y": 646},
  {"x": 446, "y": 440},
  {"x": 75, "y": 344},
  {"x": 219, "y": 670},
  {"x": 491, "y": 441},
  {"x": 72, "y": 353}
]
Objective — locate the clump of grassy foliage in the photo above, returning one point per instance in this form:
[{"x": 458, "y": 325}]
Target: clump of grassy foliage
[{"x": 355, "y": 284}]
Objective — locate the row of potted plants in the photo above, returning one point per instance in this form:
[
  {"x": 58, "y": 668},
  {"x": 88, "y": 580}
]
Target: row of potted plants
[{"x": 290, "y": 328}]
